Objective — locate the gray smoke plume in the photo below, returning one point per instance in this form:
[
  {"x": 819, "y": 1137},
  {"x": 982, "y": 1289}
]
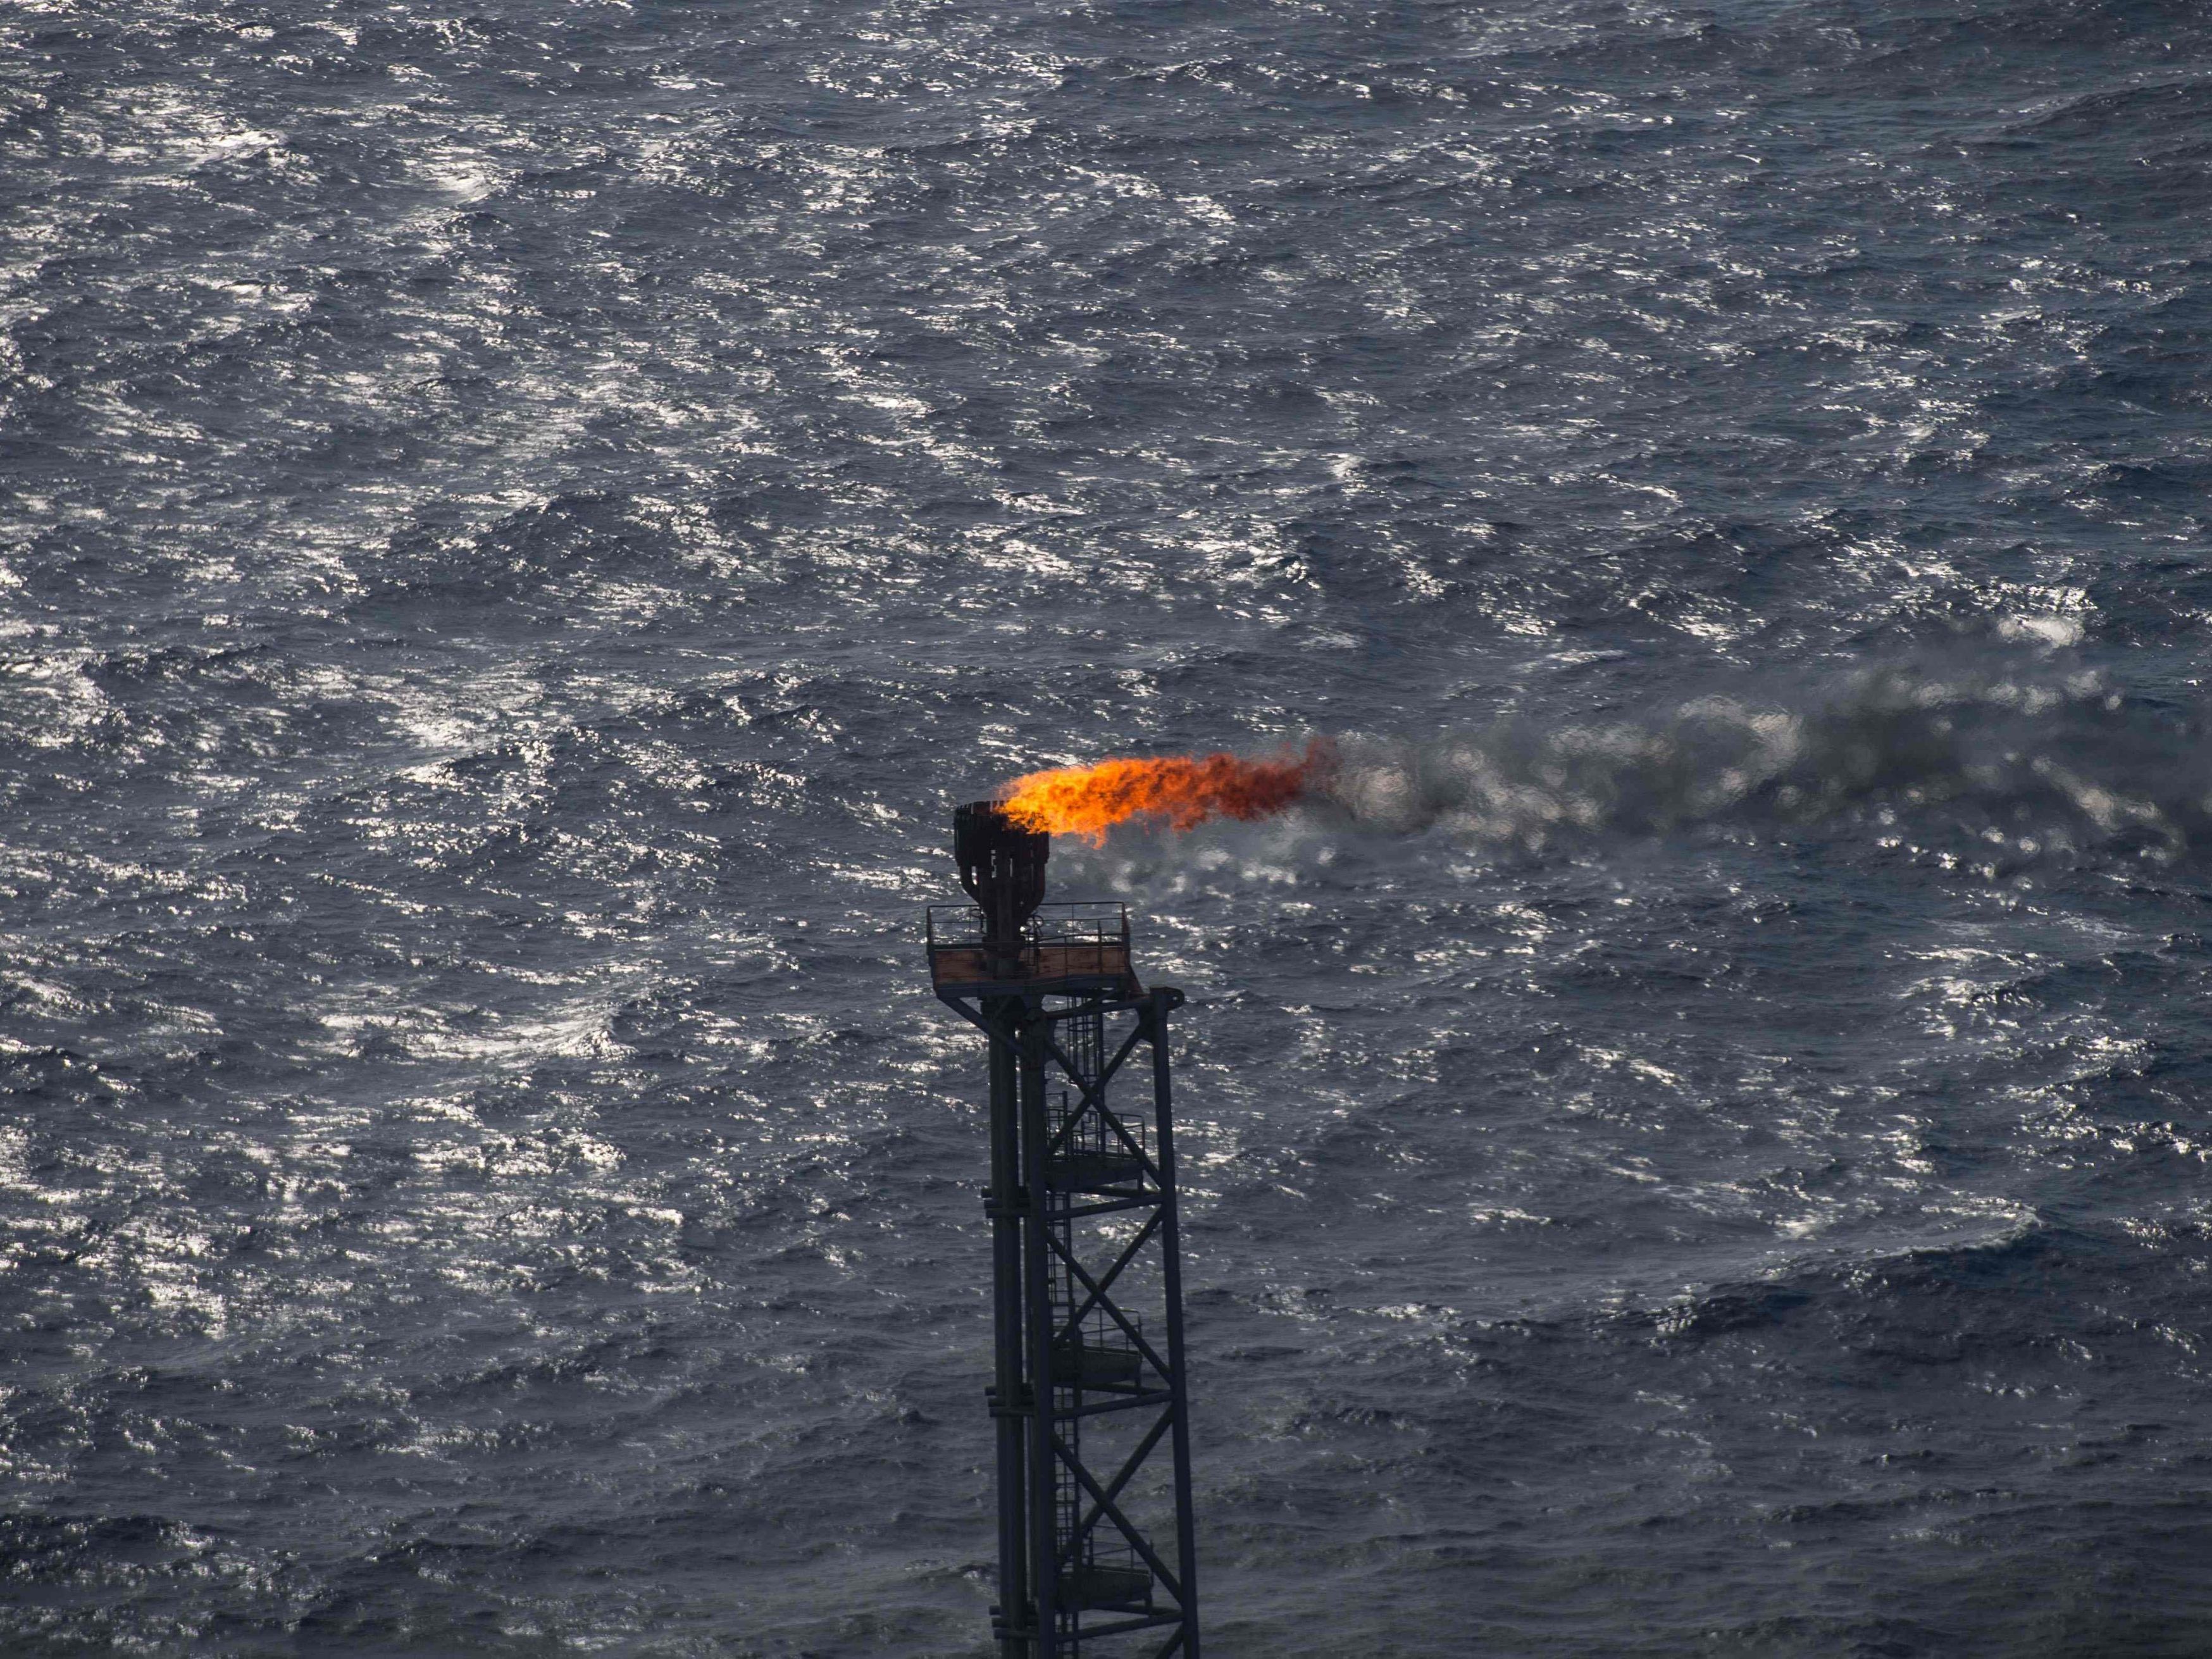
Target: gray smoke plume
[{"x": 2074, "y": 760}]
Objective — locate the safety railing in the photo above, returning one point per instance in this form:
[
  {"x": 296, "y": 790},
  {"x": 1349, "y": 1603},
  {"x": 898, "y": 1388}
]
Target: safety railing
[{"x": 1083, "y": 943}]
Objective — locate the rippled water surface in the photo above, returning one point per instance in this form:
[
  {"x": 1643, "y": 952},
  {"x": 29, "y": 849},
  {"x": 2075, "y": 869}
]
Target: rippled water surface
[{"x": 520, "y": 520}]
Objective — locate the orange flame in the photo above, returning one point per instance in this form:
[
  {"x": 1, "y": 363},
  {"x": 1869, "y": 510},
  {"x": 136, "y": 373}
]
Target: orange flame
[{"x": 1186, "y": 790}]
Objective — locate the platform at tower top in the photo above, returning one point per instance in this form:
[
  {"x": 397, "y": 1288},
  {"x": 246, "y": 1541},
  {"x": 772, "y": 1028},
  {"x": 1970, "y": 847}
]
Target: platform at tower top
[{"x": 1078, "y": 949}]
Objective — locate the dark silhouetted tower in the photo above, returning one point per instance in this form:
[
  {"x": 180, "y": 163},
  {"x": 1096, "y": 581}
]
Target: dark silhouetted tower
[{"x": 1095, "y": 1543}]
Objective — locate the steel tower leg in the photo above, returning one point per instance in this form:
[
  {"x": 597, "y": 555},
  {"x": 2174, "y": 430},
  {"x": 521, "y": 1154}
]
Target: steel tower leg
[
  {"x": 1163, "y": 1003},
  {"x": 1011, "y": 1616},
  {"x": 1037, "y": 1272}
]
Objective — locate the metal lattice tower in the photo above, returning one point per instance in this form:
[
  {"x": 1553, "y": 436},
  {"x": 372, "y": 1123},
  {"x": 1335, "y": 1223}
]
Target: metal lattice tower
[{"x": 1094, "y": 1538}]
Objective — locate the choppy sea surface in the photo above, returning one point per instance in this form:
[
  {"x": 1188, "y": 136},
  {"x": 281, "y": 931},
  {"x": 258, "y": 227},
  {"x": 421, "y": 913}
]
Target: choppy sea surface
[{"x": 521, "y": 521}]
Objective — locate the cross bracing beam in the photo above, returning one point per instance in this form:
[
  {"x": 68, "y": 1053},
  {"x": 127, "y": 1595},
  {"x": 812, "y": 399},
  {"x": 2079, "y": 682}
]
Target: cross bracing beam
[
  {"x": 1094, "y": 1092},
  {"x": 1145, "y": 1235},
  {"x": 1105, "y": 1305},
  {"x": 1136, "y": 1539},
  {"x": 1129, "y": 1467}
]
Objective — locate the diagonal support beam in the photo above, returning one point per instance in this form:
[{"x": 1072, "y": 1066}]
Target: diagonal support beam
[
  {"x": 989, "y": 1028},
  {"x": 1122, "y": 1524},
  {"x": 1072, "y": 1547},
  {"x": 1094, "y": 1099},
  {"x": 1106, "y": 1279},
  {"x": 1136, "y": 1149},
  {"x": 1098, "y": 1295},
  {"x": 1094, "y": 1091}
]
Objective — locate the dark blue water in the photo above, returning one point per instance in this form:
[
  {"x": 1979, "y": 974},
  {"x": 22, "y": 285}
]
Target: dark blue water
[{"x": 521, "y": 519}]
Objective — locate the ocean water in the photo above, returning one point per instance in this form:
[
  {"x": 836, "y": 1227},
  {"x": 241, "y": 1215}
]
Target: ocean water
[{"x": 521, "y": 521}]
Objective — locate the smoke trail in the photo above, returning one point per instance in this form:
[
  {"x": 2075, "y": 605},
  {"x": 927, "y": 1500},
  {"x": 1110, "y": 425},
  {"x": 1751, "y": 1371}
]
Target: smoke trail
[
  {"x": 2052, "y": 764},
  {"x": 2074, "y": 760}
]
